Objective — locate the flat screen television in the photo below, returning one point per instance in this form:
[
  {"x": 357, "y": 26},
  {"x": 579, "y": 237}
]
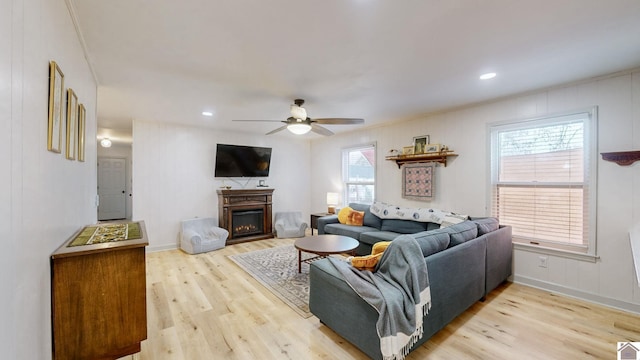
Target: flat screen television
[{"x": 242, "y": 161}]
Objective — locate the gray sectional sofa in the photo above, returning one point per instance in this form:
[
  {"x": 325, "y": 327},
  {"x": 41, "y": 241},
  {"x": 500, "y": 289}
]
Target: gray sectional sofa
[{"x": 464, "y": 262}]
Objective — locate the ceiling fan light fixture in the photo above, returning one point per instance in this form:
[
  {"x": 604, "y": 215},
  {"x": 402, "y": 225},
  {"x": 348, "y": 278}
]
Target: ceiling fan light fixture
[
  {"x": 298, "y": 128},
  {"x": 298, "y": 112}
]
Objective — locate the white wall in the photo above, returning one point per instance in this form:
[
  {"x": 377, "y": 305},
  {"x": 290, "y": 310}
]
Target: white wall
[
  {"x": 121, "y": 151},
  {"x": 45, "y": 198},
  {"x": 462, "y": 185},
  {"x": 173, "y": 175}
]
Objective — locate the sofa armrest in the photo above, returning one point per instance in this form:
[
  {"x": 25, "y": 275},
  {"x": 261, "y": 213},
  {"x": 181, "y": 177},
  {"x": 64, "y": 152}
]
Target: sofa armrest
[
  {"x": 499, "y": 257},
  {"x": 191, "y": 237},
  {"x": 322, "y": 221}
]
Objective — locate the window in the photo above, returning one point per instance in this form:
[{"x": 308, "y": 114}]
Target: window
[
  {"x": 543, "y": 180},
  {"x": 359, "y": 174}
]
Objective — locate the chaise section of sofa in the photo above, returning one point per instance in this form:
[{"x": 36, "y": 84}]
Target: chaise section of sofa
[{"x": 464, "y": 262}]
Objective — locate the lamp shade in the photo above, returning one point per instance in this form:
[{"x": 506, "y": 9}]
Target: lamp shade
[
  {"x": 332, "y": 201},
  {"x": 332, "y": 198}
]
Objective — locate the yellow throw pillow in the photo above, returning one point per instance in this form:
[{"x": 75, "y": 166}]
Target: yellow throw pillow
[
  {"x": 369, "y": 262},
  {"x": 343, "y": 214},
  {"x": 355, "y": 218}
]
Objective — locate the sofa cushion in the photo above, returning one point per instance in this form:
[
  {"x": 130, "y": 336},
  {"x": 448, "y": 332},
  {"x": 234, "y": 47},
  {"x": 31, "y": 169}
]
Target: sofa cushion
[
  {"x": 403, "y": 226},
  {"x": 430, "y": 242},
  {"x": 462, "y": 232},
  {"x": 377, "y": 236},
  {"x": 486, "y": 225},
  {"x": 369, "y": 218},
  {"x": 347, "y": 230}
]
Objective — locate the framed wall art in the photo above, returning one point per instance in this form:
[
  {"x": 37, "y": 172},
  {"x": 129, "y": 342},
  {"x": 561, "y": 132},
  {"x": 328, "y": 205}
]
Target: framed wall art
[
  {"x": 432, "y": 148},
  {"x": 82, "y": 113},
  {"x": 407, "y": 150},
  {"x": 420, "y": 144},
  {"x": 56, "y": 98},
  {"x": 72, "y": 124},
  {"x": 417, "y": 181}
]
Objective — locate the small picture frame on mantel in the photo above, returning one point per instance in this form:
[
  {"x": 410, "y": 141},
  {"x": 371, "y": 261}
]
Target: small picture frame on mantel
[
  {"x": 432, "y": 148},
  {"x": 407, "y": 150},
  {"x": 420, "y": 143}
]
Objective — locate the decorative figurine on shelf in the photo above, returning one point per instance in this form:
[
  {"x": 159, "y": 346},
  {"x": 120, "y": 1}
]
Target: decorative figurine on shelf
[
  {"x": 444, "y": 149},
  {"x": 394, "y": 152}
]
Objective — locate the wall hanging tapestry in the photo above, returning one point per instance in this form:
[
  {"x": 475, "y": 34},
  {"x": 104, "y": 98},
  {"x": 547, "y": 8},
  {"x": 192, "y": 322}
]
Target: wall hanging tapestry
[{"x": 417, "y": 181}]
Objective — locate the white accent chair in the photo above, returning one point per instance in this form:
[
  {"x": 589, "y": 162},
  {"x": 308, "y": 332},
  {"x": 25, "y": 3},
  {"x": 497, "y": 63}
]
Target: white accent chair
[
  {"x": 201, "y": 235},
  {"x": 289, "y": 224}
]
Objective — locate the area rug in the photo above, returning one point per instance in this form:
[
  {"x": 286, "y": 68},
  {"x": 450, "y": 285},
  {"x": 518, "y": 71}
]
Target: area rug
[{"x": 277, "y": 269}]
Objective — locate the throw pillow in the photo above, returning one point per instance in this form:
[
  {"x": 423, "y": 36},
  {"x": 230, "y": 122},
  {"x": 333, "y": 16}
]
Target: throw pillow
[
  {"x": 370, "y": 219},
  {"x": 343, "y": 214},
  {"x": 369, "y": 262},
  {"x": 355, "y": 218}
]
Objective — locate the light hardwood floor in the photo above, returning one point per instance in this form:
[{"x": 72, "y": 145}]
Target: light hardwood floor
[{"x": 205, "y": 307}]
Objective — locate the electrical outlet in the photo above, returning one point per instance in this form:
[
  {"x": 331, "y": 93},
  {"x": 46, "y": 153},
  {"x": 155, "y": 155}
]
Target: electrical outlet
[{"x": 542, "y": 261}]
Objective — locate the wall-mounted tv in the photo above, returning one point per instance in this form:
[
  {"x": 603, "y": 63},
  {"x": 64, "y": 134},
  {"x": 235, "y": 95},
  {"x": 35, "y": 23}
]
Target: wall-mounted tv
[{"x": 242, "y": 161}]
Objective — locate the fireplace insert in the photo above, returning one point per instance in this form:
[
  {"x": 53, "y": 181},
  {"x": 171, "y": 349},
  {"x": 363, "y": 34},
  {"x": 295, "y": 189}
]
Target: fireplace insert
[{"x": 247, "y": 222}]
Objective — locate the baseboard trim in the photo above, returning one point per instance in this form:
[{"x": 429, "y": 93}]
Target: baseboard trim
[
  {"x": 157, "y": 248},
  {"x": 577, "y": 294}
]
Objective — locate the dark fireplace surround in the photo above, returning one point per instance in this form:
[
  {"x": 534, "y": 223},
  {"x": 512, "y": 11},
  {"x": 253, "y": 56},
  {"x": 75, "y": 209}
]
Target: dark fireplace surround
[{"x": 246, "y": 214}]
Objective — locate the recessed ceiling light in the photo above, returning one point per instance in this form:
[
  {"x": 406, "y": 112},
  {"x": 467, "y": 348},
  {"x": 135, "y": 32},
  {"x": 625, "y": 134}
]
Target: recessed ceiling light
[
  {"x": 488, "y": 76},
  {"x": 207, "y": 113}
]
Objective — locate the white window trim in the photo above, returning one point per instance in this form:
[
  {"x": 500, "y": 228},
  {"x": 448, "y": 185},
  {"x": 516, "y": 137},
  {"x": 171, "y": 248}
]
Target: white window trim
[
  {"x": 345, "y": 184},
  {"x": 591, "y": 133}
]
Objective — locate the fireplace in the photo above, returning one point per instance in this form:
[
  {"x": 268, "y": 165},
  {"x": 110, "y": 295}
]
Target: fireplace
[
  {"x": 247, "y": 223},
  {"x": 246, "y": 214}
]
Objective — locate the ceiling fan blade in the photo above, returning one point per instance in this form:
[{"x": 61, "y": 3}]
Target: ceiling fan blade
[
  {"x": 261, "y": 120},
  {"x": 276, "y": 130},
  {"x": 339, "y": 121},
  {"x": 321, "y": 130}
]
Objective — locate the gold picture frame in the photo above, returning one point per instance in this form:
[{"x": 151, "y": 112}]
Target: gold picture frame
[
  {"x": 420, "y": 143},
  {"x": 56, "y": 96},
  {"x": 431, "y": 148},
  {"x": 407, "y": 150},
  {"x": 72, "y": 124},
  {"x": 82, "y": 113}
]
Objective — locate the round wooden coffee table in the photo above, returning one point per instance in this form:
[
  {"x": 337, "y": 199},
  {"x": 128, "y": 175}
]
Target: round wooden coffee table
[{"x": 323, "y": 246}]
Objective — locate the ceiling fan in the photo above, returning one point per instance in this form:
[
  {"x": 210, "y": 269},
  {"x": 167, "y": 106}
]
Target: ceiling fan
[{"x": 298, "y": 123}]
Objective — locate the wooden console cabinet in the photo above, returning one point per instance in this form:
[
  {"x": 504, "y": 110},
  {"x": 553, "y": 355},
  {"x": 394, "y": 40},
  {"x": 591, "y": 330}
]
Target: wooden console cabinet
[
  {"x": 230, "y": 201},
  {"x": 98, "y": 299}
]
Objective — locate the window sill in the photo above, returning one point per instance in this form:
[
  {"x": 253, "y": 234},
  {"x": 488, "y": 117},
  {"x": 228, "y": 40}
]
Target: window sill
[{"x": 556, "y": 252}]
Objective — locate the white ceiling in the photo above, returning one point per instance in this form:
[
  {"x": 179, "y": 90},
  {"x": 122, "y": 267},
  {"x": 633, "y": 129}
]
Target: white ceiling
[{"x": 381, "y": 60}]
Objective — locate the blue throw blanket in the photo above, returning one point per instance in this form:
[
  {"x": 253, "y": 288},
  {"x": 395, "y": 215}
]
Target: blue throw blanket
[{"x": 398, "y": 290}]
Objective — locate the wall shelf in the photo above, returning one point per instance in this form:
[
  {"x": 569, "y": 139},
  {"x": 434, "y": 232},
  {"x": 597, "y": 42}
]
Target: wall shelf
[
  {"x": 622, "y": 158},
  {"x": 439, "y": 157}
]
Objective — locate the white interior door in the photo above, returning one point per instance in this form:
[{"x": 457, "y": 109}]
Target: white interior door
[{"x": 112, "y": 189}]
